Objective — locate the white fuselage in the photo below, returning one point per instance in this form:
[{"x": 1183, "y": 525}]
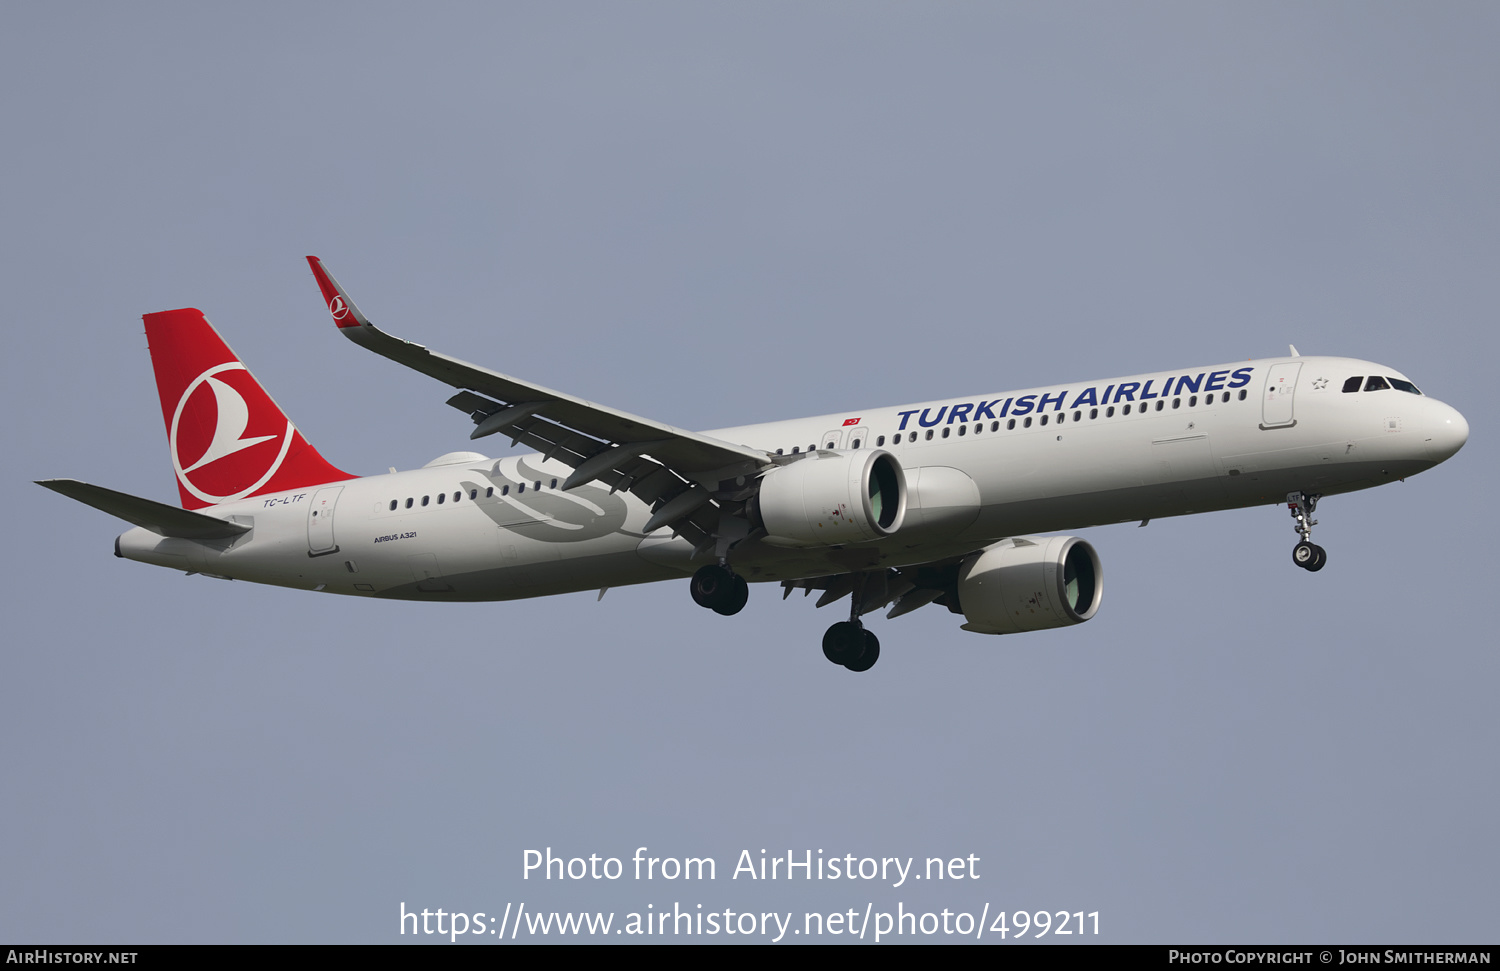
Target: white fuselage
[{"x": 977, "y": 470}]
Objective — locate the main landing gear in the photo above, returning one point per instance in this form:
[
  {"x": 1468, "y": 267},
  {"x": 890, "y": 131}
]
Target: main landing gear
[
  {"x": 720, "y": 589},
  {"x": 1306, "y": 554},
  {"x": 849, "y": 644}
]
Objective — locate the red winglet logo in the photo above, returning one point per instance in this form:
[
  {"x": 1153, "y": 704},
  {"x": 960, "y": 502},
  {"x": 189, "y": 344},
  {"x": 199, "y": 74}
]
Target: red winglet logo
[
  {"x": 338, "y": 304},
  {"x": 228, "y": 439}
]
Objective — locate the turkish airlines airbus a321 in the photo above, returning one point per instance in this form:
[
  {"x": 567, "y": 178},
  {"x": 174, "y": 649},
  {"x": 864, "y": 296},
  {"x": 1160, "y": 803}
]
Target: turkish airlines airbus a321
[{"x": 897, "y": 507}]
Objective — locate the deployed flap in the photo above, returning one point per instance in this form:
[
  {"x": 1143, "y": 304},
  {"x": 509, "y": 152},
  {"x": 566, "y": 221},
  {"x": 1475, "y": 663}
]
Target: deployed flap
[
  {"x": 160, "y": 518},
  {"x": 683, "y": 451}
]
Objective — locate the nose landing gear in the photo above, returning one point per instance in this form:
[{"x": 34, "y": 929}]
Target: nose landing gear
[{"x": 1306, "y": 554}]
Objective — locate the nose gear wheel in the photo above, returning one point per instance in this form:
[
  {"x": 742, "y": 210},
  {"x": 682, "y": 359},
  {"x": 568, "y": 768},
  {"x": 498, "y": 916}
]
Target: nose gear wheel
[{"x": 1306, "y": 554}]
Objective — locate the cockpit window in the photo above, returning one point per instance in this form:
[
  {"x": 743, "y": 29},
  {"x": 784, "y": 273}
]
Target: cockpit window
[
  {"x": 1352, "y": 385},
  {"x": 1406, "y": 386},
  {"x": 1376, "y": 383}
]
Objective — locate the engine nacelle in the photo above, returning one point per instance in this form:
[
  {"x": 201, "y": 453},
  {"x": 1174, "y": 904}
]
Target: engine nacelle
[
  {"x": 831, "y": 498},
  {"x": 1030, "y": 583}
]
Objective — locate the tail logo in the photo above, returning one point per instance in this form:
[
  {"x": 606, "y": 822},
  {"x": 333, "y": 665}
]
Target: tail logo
[
  {"x": 337, "y": 308},
  {"x": 238, "y": 477}
]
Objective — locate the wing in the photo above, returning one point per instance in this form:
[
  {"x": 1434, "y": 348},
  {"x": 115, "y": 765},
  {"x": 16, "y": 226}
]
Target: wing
[{"x": 678, "y": 472}]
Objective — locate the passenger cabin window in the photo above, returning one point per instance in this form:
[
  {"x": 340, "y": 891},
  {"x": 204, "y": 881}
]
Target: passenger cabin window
[
  {"x": 854, "y": 444},
  {"x": 424, "y": 500},
  {"x": 408, "y": 503},
  {"x": 1353, "y": 383},
  {"x": 880, "y": 441},
  {"x": 393, "y": 505}
]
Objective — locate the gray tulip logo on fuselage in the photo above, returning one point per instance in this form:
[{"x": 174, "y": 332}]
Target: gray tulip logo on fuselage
[{"x": 587, "y": 512}]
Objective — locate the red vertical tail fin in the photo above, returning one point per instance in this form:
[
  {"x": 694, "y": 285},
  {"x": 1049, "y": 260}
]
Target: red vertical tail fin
[{"x": 228, "y": 439}]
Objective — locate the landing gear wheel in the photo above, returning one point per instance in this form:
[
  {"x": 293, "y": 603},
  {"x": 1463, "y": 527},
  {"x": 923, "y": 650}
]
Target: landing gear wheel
[
  {"x": 738, "y": 595},
  {"x": 1310, "y": 556},
  {"x": 1306, "y": 554},
  {"x": 719, "y": 590},
  {"x": 844, "y": 643},
  {"x": 870, "y": 655}
]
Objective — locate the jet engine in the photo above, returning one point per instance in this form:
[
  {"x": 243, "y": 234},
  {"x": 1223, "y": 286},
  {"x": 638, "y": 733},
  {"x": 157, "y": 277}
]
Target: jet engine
[
  {"x": 1030, "y": 583},
  {"x": 831, "y": 497}
]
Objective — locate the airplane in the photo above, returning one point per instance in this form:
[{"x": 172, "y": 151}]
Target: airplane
[{"x": 941, "y": 502}]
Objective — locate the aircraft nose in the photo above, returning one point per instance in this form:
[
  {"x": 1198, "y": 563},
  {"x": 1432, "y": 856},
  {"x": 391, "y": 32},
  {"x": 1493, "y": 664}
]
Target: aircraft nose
[{"x": 1446, "y": 433}]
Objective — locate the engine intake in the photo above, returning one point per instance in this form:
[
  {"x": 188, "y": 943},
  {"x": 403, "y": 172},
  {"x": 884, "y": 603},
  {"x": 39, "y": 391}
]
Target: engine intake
[
  {"x": 1030, "y": 583},
  {"x": 831, "y": 498}
]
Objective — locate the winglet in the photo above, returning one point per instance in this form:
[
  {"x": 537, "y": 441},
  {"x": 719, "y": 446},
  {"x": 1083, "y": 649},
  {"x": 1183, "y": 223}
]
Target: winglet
[{"x": 345, "y": 313}]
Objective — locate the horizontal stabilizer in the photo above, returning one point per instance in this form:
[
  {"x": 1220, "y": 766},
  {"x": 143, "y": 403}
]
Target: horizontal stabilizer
[{"x": 160, "y": 518}]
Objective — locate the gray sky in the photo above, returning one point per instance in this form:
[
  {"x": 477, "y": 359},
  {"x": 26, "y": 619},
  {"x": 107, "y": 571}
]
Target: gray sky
[{"x": 715, "y": 214}]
